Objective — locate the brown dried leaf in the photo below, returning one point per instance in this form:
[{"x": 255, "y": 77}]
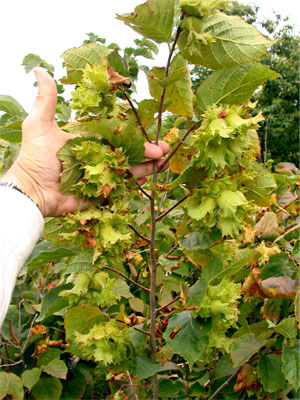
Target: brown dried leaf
[
  {"x": 271, "y": 310},
  {"x": 246, "y": 379},
  {"x": 281, "y": 287},
  {"x": 116, "y": 79}
]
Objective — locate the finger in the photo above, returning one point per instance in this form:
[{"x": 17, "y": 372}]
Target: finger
[
  {"x": 142, "y": 181},
  {"x": 164, "y": 146},
  {"x": 145, "y": 168},
  {"x": 152, "y": 151},
  {"x": 45, "y": 105}
]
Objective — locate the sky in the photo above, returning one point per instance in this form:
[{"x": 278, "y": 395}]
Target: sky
[{"x": 50, "y": 29}]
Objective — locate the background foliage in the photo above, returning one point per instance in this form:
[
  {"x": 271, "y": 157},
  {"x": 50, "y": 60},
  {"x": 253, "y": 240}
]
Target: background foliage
[{"x": 209, "y": 302}]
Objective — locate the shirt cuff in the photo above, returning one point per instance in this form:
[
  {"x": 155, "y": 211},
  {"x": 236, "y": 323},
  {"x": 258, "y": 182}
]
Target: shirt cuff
[{"x": 21, "y": 226}]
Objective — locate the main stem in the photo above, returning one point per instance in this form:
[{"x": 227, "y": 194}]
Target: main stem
[{"x": 153, "y": 310}]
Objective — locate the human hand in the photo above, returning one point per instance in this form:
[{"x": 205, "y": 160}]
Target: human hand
[{"x": 37, "y": 169}]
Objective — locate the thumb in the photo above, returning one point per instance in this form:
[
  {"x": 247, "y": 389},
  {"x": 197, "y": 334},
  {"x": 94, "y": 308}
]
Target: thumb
[{"x": 45, "y": 104}]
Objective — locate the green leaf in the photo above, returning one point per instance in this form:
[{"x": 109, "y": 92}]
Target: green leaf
[
  {"x": 52, "y": 302},
  {"x": 80, "y": 263},
  {"x": 287, "y": 327},
  {"x": 221, "y": 41},
  {"x": 196, "y": 292},
  {"x": 77, "y": 58},
  {"x": 147, "y": 367},
  {"x": 153, "y": 19},
  {"x": 12, "y": 132},
  {"x": 47, "y": 388},
  {"x": 3, "y": 384},
  {"x": 191, "y": 338},
  {"x": 197, "y": 240},
  {"x": 269, "y": 372},
  {"x": 114, "y": 132},
  {"x": 147, "y": 110},
  {"x": 56, "y": 368},
  {"x": 245, "y": 347},
  {"x": 137, "y": 304},
  {"x": 15, "y": 387},
  {"x": 74, "y": 387},
  {"x": 11, "y": 107},
  {"x": 122, "y": 289},
  {"x": 259, "y": 188},
  {"x": 267, "y": 227},
  {"x": 47, "y": 356},
  {"x": 291, "y": 364},
  {"x": 296, "y": 252},
  {"x": 31, "y": 61},
  {"x": 278, "y": 265},
  {"x": 50, "y": 255},
  {"x": 30, "y": 377},
  {"x": 233, "y": 85},
  {"x": 179, "y": 95},
  {"x": 81, "y": 319}
]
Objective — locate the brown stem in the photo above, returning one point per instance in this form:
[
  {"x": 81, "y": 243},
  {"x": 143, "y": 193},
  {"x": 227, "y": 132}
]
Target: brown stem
[
  {"x": 172, "y": 249},
  {"x": 13, "y": 333},
  {"x": 170, "y": 209},
  {"x": 167, "y": 305},
  {"x": 161, "y": 104},
  {"x": 138, "y": 233},
  {"x": 225, "y": 384},
  {"x": 145, "y": 193},
  {"x": 179, "y": 144},
  {"x": 135, "y": 328},
  {"x": 126, "y": 277},
  {"x": 137, "y": 117}
]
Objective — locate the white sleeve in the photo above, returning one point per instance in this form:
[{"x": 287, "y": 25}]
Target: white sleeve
[{"x": 21, "y": 226}]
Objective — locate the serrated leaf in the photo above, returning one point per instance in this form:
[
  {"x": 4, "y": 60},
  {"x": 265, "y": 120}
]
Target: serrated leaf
[
  {"x": 291, "y": 364},
  {"x": 197, "y": 240},
  {"x": 3, "y": 384},
  {"x": 187, "y": 336},
  {"x": 269, "y": 372},
  {"x": 179, "y": 95},
  {"x": 12, "y": 133},
  {"x": 81, "y": 319},
  {"x": 56, "y": 368},
  {"x": 278, "y": 265},
  {"x": 77, "y": 58},
  {"x": 47, "y": 388},
  {"x": 147, "y": 367},
  {"x": 52, "y": 302},
  {"x": 113, "y": 131},
  {"x": 122, "y": 289},
  {"x": 147, "y": 110},
  {"x": 31, "y": 61},
  {"x": 50, "y": 255},
  {"x": 287, "y": 327},
  {"x": 231, "y": 41},
  {"x": 48, "y": 355},
  {"x": 15, "y": 387},
  {"x": 245, "y": 347},
  {"x": 267, "y": 227},
  {"x": 11, "y": 107},
  {"x": 296, "y": 252},
  {"x": 233, "y": 85},
  {"x": 80, "y": 263},
  {"x": 30, "y": 377},
  {"x": 259, "y": 188},
  {"x": 137, "y": 304},
  {"x": 153, "y": 19}
]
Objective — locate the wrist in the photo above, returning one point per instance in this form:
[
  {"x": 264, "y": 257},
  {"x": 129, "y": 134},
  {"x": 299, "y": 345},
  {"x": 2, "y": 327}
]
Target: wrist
[{"x": 18, "y": 177}]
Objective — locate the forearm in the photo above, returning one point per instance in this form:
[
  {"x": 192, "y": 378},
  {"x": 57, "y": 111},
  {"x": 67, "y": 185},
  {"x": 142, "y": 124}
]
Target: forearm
[{"x": 21, "y": 226}]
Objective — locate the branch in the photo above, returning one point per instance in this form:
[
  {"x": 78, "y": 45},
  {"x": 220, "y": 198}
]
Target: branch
[
  {"x": 293, "y": 228},
  {"x": 225, "y": 384},
  {"x": 170, "y": 209},
  {"x": 125, "y": 277},
  {"x": 179, "y": 144},
  {"x": 167, "y": 305},
  {"x": 137, "y": 117},
  {"x": 138, "y": 233},
  {"x": 137, "y": 329},
  {"x": 144, "y": 192},
  {"x": 171, "y": 251},
  {"x": 161, "y": 104}
]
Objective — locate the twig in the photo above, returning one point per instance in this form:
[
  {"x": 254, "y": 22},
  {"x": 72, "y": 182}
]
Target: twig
[
  {"x": 138, "y": 233},
  {"x": 11, "y": 365},
  {"x": 225, "y": 384},
  {"x": 179, "y": 144},
  {"x": 10, "y": 343},
  {"x": 145, "y": 193},
  {"x": 171, "y": 251},
  {"x": 13, "y": 333},
  {"x": 137, "y": 117},
  {"x": 28, "y": 336},
  {"x": 135, "y": 328},
  {"x": 125, "y": 277},
  {"x": 131, "y": 383},
  {"x": 171, "y": 208},
  {"x": 167, "y": 305},
  {"x": 293, "y": 228}
]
